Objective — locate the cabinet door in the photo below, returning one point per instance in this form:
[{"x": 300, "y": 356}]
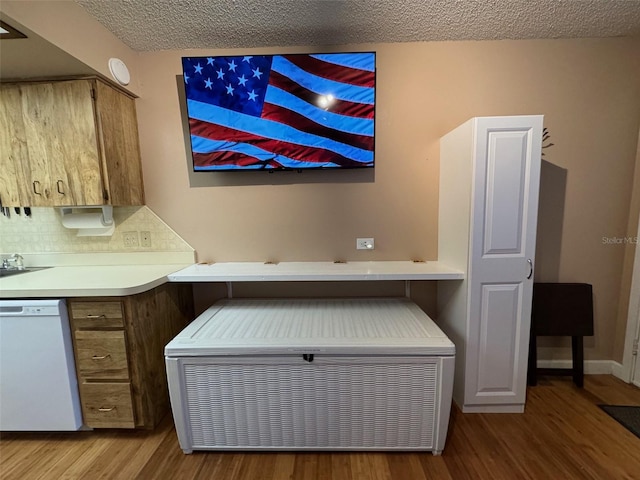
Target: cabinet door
[
  {"x": 118, "y": 138},
  {"x": 14, "y": 154},
  {"x": 60, "y": 132},
  {"x": 503, "y": 234}
]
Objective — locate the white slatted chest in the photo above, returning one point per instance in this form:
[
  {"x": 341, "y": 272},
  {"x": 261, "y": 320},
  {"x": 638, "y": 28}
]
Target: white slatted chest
[{"x": 311, "y": 374}]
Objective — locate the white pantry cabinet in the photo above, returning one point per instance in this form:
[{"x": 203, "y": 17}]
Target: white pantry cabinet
[{"x": 489, "y": 182}]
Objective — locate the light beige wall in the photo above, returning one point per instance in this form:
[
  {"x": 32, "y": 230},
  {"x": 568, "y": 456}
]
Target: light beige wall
[
  {"x": 293, "y": 221},
  {"x": 588, "y": 91}
]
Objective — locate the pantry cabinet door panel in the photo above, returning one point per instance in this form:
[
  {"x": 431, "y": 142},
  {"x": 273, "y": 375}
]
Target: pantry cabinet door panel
[{"x": 500, "y": 305}]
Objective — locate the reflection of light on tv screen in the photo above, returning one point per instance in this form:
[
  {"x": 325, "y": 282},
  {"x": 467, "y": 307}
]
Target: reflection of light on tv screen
[
  {"x": 280, "y": 112},
  {"x": 325, "y": 101}
]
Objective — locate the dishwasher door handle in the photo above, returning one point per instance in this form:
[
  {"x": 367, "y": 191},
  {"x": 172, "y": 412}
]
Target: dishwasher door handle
[{"x": 11, "y": 311}]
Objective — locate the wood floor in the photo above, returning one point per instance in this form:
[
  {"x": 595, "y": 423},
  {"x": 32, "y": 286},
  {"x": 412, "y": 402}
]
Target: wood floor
[{"x": 562, "y": 435}]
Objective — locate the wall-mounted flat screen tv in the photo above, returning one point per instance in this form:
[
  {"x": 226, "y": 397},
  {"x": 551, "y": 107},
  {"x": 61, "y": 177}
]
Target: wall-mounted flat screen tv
[{"x": 281, "y": 112}]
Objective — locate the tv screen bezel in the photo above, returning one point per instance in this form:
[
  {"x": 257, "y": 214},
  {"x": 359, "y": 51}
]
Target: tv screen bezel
[{"x": 301, "y": 169}]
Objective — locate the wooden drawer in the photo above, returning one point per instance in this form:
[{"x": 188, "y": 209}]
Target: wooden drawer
[
  {"x": 96, "y": 314},
  {"x": 101, "y": 354},
  {"x": 107, "y": 405}
]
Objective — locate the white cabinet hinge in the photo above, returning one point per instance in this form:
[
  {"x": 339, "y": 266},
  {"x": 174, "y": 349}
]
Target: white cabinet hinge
[{"x": 634, "y": 350}]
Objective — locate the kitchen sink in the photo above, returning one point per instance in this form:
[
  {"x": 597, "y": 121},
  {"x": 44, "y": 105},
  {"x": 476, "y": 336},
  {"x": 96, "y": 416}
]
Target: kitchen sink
[{"x": 7, "y": 272}]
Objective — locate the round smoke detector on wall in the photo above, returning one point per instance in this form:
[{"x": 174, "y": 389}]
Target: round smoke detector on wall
[{"x": 119, "y": 71}]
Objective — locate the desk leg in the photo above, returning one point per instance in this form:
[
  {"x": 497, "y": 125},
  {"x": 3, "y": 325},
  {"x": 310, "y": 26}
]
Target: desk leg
[
  {"x": 577, "y": 352},
  {"x": 532, "y": 378}
]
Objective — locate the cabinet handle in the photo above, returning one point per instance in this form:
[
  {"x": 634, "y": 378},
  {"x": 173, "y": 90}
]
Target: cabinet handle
[
  {"x": 36, "y": 187},
  {"x": 530, "y": 268},
  {"x": 96, "y": 316},
  {"x": 100, "y": 357},
  {"x": 105, "y": 409},
  {"x": 58, "y": 184}
]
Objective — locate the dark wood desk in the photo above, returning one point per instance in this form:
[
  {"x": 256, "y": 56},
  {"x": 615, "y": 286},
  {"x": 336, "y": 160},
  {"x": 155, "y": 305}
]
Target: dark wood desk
[{"x": 561, "y": 309}]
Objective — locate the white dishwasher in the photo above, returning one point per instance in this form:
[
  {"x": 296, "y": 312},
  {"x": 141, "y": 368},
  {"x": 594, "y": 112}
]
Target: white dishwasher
[{"x": 38, "y": 385}]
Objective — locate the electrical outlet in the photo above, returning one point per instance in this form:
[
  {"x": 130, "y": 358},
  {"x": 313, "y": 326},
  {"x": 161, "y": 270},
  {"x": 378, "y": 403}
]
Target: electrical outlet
[
  {"x": 364, "y": 244},
  {"x": 145, "y": 239},
  {"x": 130, "y": 239}
]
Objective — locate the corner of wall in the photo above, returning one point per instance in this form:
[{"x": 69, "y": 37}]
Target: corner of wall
[{"x": 628, "y": 263}]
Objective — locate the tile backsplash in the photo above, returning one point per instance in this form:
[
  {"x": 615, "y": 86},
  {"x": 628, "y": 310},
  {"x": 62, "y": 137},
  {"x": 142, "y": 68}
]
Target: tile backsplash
[{"x": 43, "y": 232}]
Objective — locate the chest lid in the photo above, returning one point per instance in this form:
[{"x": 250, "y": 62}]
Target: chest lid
[{"x": 362, "y": 326}]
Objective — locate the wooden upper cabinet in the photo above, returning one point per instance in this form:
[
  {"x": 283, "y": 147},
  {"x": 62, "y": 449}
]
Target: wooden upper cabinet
[
  {"x": 69, "y": 143},
  {"x": 118, "y": 126}
]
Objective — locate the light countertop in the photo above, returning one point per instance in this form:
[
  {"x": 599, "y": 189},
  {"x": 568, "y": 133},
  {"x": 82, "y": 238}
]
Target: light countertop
[
  {"x": 121, "y": 275},
  {"x": 93, "y": 274},
  {"x": 83, "y": 281}
]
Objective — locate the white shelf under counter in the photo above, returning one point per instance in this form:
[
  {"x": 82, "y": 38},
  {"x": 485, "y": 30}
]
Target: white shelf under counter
[{"x": 315, "y": 271}]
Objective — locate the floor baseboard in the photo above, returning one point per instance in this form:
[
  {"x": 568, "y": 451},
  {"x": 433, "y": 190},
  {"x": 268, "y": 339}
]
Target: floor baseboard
[{"x": 591, "y": 367}]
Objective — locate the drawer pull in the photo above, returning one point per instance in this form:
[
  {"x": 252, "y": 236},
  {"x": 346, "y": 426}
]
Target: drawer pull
[
  {"x": 100, "y": 357},
  {"x": 97, "y": 316},
  {"x": 105, "y": 409}
]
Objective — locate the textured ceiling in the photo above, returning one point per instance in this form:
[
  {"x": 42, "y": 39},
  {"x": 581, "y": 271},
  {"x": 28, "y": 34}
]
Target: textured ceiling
[{"x": 148, "y": 25}]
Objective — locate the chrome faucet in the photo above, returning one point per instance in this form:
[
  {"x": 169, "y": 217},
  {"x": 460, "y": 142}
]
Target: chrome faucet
[{"x": 16, "y": 259}]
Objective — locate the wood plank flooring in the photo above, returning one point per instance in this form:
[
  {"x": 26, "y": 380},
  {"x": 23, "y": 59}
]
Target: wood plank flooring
[{"x": 562, "y": 435}]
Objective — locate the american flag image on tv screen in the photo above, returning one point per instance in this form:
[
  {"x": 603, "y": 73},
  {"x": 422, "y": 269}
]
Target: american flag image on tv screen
[{"x": 281, "y": 111}]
